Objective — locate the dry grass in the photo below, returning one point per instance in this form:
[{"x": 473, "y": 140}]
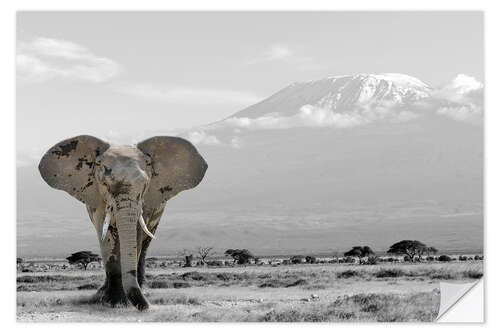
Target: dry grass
[
  {"x": 365, "y": 307},
  {"x": 386, "y": 292}
]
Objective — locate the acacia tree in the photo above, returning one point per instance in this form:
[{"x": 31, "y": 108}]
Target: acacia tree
[
  {"x": 83, "y": 258},
  {"x": 241, "y": 257},
  {"x": 412, "y": 248},
  {"x": 431, "y": 250},
  {"x": 360, "y": 252},
  {"x": 203, "y": 253}
]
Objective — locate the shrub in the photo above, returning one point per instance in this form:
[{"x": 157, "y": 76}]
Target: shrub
[
  {"x": 168, "y": 284},
  {"x": 310, "y": 259},
  {"x": 444, "y": 258},
  {"x": 347, "y": 274},
  {"x": 473, "y": 274},
  {"x": 390, "y": 272},
  {"x": 371, "y": 260},
  {"x": 89, "y": 286},
  {"x": 196, "y": 276},
  {"x": 462, "y": 258},
  {"x": 299, "y": 282},
  {"x": 297, "y": 259}
]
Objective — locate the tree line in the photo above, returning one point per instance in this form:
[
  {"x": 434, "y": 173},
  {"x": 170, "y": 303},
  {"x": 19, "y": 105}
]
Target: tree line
[{"x": 411, "y": 250}]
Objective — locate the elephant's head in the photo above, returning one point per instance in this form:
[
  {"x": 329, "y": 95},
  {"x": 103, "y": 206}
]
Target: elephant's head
[{"x": 129, "y": 181}]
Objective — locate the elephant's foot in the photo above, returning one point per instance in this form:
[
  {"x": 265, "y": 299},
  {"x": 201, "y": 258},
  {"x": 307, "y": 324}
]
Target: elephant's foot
[
  {"x": 111, "y": 295},
  {"x": 138, "y": 300}
]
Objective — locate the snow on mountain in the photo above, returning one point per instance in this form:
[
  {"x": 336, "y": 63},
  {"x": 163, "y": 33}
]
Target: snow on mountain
[
  {"x": 341, "y": 94},
  {"x": 350, "y": 101}
]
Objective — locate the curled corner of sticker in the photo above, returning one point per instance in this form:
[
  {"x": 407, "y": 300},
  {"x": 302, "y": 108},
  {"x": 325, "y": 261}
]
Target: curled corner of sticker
[{"x": 451, "y": 293}]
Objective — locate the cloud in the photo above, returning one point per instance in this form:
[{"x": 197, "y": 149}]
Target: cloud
[
  {"x": 191, "y": 96},
  {"x": 461, "y": 99},
  {"x": 288, "y": 55},
  {"x": 277, "y": 52},
  {"x": 468, "y": 113},
  {"x": 313, "y": 116},
  {"x": 45, "y": 58},
  {"x": 200, "y": 137}
]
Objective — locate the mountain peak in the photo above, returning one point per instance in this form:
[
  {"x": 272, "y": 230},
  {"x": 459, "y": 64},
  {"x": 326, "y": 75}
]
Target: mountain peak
[{"x": 342, "y": 93}]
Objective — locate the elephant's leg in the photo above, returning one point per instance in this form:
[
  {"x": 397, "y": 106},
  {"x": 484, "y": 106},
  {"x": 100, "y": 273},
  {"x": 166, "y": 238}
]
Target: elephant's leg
[
  {"x": 144, "y": 240},
  {"x": 141, "y": 269},
  {"x": 111, "y": 292}
]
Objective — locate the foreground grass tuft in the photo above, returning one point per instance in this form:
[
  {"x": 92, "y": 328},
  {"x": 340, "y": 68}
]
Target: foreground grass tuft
[{"x": 364, "y": 307}]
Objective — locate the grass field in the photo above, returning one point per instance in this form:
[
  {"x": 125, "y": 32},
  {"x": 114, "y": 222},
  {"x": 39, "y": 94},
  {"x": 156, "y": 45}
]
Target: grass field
[{"x": 305, "y": 292}]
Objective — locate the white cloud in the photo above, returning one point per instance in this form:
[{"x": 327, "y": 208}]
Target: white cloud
[
  {"x": 461, "y": 99},
  {"x": 46, "y": 58},
  {"x": 288, "y": 55},
  {"x": 468, "y": 113},
  {"x": 464, "y": 84},
  {"x": 277, "y": 52},
  {"x": 236, "y": 142},
  {"x": 192, "y": 96},
  {"x": 200, "y": 137},
  {"x": 312, "y": 116}
]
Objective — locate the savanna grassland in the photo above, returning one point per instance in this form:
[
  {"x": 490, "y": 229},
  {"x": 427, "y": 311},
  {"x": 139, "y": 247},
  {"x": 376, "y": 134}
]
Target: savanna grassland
[{"x": 391, "y": 292}]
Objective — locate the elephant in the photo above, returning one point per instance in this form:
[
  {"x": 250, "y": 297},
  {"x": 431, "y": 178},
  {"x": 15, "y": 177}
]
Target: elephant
[{"x": 125, "y": 189}]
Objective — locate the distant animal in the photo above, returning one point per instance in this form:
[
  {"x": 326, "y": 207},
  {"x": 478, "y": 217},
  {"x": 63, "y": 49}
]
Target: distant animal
[{"x": 125, "y": 189}]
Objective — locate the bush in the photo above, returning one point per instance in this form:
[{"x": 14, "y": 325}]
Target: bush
[
  {"x": 371, "y": 260},
  {"x": 196, "y": 276},
  {"x": 347, "y": 274},
  {"x": 473, "y": 274},
  {"x": 168, "y": 284},
  {"x": 310, "y": 259},
  {"x": 297, "y": 259},
  {"x": 390, "y": 272},
  {"x": 462, "y": 258},
  {"x": 444, "y": 258},
  {"x": 299, "y": 282},
  {"x": 89, "y": 286}
]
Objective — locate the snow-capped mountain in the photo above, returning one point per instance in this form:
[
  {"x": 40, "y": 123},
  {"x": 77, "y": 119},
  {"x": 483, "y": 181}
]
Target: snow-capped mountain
[{"x": 342, "y": 93}]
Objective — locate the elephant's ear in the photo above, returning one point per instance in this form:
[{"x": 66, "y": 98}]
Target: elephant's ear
[
  {"x": 69, "y": 166},
  {"x": 176, "y": 166}
]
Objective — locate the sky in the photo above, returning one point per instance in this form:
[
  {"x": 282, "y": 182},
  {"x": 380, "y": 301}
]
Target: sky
[
  {"x": 114, "y": 73},
  {"x": 298, "y": 175}
]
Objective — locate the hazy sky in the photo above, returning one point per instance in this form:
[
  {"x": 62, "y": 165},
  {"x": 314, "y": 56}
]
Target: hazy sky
[
  {"x": 111, "y": 73},
  {"x": 131, "y": 75}
]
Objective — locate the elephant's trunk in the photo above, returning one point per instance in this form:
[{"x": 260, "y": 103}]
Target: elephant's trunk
[{"x": 126, "y": 223}]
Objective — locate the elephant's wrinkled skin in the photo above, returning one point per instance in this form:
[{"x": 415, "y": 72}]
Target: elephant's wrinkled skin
[{"x": 119, "y": 184}]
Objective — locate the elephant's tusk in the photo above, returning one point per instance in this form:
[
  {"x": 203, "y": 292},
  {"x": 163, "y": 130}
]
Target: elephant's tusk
[
  {"x": 105, "y": 226},
  {"x": 145, "y": 228}
]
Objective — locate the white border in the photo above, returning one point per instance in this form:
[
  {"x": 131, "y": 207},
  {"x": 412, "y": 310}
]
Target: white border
[{"x": 492, "y": 167}]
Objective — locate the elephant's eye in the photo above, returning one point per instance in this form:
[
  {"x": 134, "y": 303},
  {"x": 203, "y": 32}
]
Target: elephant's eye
[{"x": 107, "y": 171}]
